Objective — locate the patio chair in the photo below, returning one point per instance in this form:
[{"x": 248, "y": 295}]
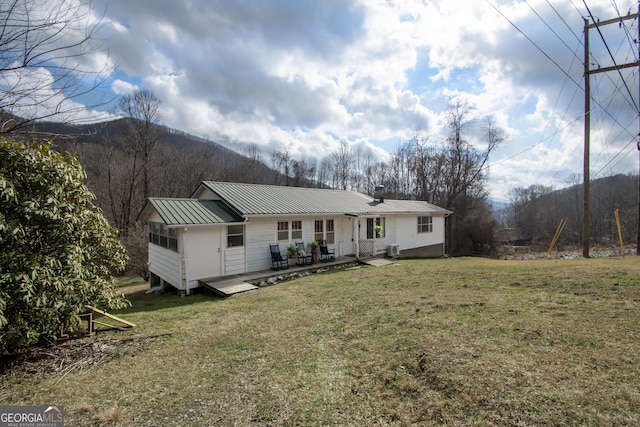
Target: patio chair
[
  {"x": 303, "y": 257},
  {"x": 277, "y": 260},
  {"x": 326, "y": 254}
]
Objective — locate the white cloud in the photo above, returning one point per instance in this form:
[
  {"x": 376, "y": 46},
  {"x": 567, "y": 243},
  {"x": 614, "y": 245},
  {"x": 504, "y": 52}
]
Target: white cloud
[
  {"x": 121, "y": 87},
  {"x": 310, "y": 74}
]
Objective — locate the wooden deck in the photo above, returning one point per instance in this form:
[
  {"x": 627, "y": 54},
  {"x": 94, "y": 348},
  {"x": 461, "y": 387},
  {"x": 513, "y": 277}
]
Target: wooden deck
[{"x": 226, "y": 286}]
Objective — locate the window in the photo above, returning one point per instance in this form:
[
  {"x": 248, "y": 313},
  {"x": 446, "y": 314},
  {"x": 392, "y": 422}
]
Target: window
[
  {"x": 374, "y": 224},
  {"x": 324, "y": 230},
  {"x": 172, "y": 240},
  {"x": 162, "y": 236},
  {"x": 283, "y": 230},
  {"x": 296, "y": 230},
  {"x": 318, "y": 233},
  {"x": 330, "y": 232},
  {"x": 235, "y": 236},
  {"x": 425, "y": 224}
]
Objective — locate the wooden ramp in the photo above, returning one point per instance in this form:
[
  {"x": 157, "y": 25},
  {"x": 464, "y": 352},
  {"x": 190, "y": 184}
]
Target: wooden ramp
[{"x": 228, "y": 287}]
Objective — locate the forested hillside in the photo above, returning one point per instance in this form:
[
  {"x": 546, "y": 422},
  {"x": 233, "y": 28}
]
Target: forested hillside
[
  {"x": 122, "y": 172},
  {"x": 122, "y": 178},
  {"x": 534, "y": 213}
]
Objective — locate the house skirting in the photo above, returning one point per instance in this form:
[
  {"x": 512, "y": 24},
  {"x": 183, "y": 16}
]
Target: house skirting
[{"x": 431, "y": 251}]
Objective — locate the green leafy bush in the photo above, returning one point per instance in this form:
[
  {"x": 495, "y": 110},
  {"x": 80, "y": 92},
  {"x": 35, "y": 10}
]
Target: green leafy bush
[{"x": 57, "y": 251}]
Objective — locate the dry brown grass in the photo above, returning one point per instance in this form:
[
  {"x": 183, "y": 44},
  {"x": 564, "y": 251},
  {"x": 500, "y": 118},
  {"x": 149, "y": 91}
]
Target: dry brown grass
[{"x": 423, "y": 342}]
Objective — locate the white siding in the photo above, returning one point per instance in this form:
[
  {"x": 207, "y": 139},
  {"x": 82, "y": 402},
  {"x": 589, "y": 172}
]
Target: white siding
[
  {"x": 203, "y": 193},
  {"x": 390, "y": 235},
  {"x": 258, "y": 234},
  {"x": 166, "y": 265},
  {"x": 234, "y": 261},
  {"x": 202, "y": 253},
  {"x": 261, "y": 232},
  {"x": 407, "y": 235}
]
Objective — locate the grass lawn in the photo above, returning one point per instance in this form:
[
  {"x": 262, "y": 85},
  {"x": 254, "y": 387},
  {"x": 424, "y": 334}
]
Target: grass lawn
[{"x": 470, "y": 342}]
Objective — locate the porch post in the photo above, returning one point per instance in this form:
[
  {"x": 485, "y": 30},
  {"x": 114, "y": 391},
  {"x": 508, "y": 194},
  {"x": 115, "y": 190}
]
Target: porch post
[{"x": 356, "y": 235}]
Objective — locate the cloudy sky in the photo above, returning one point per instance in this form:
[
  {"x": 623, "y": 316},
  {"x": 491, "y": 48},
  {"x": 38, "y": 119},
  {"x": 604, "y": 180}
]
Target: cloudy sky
[{"x": 308, "y": 74}]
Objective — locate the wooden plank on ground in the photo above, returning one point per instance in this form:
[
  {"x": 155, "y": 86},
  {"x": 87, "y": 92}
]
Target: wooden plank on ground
[
  {"x": 377, "y": 262},
  {"x": 229, "y": 288},
  {"x": 110, "y": 316}
]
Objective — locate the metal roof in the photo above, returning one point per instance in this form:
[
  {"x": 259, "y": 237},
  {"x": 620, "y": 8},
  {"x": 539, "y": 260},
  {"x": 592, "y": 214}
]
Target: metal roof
[
  {"x": 255, "y": 199},
  {"x": 193, "y": 211}
]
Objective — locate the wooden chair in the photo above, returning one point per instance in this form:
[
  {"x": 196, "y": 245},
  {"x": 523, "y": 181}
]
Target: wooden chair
[
  {"x": 326, "y": 254},
  {"x": 303, "y": 257},
  {"x": 277, "y": 260}
]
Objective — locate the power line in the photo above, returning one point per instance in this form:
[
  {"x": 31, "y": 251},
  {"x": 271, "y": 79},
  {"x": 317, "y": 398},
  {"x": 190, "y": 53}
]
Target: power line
[
  {"x": 567, "y": 75},
  {"x": 533, "y": 43},
  {"x": 547, "y": 55},
  {"x": 551, "y": 29},
  {"x": 565, "y": 23},
  {"x": 624, "y": 148},
  {"x": 611, "y": 56}
]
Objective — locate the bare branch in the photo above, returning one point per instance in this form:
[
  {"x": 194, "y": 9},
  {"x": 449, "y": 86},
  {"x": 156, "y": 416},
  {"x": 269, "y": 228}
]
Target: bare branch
[{"x": 45, "y": 49}]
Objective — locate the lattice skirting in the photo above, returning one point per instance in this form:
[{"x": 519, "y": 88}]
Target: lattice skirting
[{"x": 367, "y": 248}]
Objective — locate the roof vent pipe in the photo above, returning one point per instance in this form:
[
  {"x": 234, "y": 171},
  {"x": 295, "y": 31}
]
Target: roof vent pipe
[{"x": 378, "y": 193}]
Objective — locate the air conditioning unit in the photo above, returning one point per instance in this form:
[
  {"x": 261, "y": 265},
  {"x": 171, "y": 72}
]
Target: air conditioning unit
[{"x": 393, "y": 250}]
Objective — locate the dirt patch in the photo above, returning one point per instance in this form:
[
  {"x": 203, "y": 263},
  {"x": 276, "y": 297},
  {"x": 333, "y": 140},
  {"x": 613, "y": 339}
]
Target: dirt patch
[{"x": 70, "y": 356}]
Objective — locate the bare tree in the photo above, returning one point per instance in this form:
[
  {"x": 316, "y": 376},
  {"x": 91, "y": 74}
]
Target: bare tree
[
  {"x": 282, "y": 163},
  {"x": 46, "y": 48},
  {"x": 141, "y": 111},
  {"x": 342, "y": 162},
  {"x": 527, "y": 210},
  {"x": 464, "y": 171},
  {"x": 129, "y": 155},
  {"x": 401, "y": 178},
  {"x": 325, "y": 172},
  {"x": 256, "y": 169},
  {"x": 304, "y": 173}
]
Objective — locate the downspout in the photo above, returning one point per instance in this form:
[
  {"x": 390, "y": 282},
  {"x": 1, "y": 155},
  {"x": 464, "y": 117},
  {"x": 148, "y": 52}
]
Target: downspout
[{"x": 183, "y": 262}]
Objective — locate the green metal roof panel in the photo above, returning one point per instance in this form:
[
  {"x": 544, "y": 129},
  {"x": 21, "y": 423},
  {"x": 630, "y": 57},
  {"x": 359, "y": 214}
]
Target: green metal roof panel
[
  {"x": 253, "y": 199},
  {"x": 193, "y": 211}
]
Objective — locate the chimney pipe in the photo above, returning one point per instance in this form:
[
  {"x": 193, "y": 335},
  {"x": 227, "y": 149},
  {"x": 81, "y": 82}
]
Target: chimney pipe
[{"x": 378, "y": 193}]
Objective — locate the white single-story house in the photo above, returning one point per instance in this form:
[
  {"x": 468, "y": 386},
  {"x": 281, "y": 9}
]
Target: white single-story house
[{"x": 227, "y": 228}]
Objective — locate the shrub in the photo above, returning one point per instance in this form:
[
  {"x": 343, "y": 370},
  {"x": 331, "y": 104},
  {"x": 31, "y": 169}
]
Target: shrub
[{"x": 57, "y": 251}]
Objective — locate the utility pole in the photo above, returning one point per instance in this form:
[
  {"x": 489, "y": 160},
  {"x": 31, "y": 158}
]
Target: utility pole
[
  {"x": 586, "y": 237},
  {"x": 587, "y": 123},
  {"x": 638, "y": 147}
]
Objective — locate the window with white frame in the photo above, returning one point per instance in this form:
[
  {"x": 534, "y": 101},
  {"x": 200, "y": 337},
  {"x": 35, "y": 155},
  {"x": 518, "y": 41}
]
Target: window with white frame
[
  {"x": 289, "y": 230},
  {"x": 324, "y": 229},
  {"x": 318, "y": 230},
  {"x": 235, "y": 236},
  {"x": 330, "y": 235},
  {"x": 283, "y": 230},
  {"x": 425, "y": 224},
  {"x": 377, "y": 226},
  {"x": 161, "y": 235},
  {"x": 296, "y": 230}
]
